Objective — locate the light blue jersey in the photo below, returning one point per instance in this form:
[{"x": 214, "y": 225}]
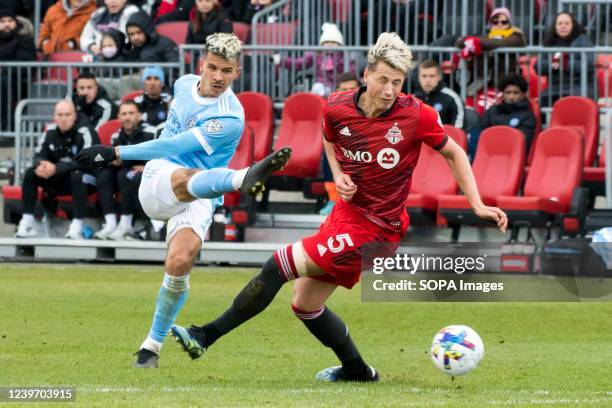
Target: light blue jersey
[{"x": 200, "y": 132}]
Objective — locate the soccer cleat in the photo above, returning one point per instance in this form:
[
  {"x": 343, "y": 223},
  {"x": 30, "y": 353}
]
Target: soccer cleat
[
  {"x": 145, "y": 359},
  {"x": 336, "y": 374},
  {"x": 256, "y": 176},
  {"x": 188, "y": 339},
  {"x": 26, "y": 230},
  {"x": 74, "y": 232},
  {"x": 104, "y": 233}
]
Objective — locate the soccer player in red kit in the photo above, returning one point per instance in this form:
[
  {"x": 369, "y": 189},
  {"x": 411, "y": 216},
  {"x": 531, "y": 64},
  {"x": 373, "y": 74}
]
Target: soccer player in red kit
[{"x": 372, "y": 139}]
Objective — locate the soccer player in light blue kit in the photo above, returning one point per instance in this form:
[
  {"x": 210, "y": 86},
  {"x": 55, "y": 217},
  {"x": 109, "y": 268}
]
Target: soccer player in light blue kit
[{"x": 187, "y": 174}]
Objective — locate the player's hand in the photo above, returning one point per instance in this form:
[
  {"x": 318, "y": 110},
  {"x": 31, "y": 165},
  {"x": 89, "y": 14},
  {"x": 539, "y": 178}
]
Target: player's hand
[
  {"x": 493, "y": 214},
  {"x": 96, "y": 157},
  {"x": 345, "y": 187},
  {"x": 45, "y": 169}
]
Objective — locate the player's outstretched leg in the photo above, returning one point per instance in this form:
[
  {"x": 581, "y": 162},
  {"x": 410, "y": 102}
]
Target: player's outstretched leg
[
  {"x": 251, "y": 180},
  {"x": 331, "y": 331},
  {"x": 252, "y": 300}
]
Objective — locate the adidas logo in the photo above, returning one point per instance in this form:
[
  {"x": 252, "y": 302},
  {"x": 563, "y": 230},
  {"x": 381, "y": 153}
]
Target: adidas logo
[
  {"x": 345, "y": 131},
  {"x": 98, "y": 158}
]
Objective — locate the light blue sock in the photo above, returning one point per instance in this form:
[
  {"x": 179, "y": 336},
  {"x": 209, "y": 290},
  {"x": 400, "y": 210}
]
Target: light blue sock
[
  {"x": 171, "y": 298},
  {"x": 212, "y": 183}
]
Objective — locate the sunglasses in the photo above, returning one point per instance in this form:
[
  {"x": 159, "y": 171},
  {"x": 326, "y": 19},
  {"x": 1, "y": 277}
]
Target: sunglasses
[{"x": 500, "y": 22}]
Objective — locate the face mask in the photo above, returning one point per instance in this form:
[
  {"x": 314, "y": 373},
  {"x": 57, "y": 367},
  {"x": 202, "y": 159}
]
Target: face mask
[{"x": 109, "y": 52}]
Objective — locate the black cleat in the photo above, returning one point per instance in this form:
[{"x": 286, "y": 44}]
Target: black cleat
[
  {"x": 336, "y": 374},
  {"x": 146, "y": 359},
  {"x": 258, "y": 173},
  {"x": 190, "y": 339}
]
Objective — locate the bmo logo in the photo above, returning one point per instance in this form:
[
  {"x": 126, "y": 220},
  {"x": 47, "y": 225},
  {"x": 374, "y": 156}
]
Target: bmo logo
[
  {"x": 357, "y": 156},
  {"x": 388, "y": 158}
]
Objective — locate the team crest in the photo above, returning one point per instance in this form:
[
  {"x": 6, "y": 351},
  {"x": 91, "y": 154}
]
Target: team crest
[
  {"x": 213, "y": 126},
  {"x": 191, "y": 123},
  {"x": 394, "y": 134}
]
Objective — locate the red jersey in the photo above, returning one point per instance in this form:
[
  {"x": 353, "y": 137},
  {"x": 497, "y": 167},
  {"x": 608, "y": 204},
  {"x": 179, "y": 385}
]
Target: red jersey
[{"x": 380, "y": 153}]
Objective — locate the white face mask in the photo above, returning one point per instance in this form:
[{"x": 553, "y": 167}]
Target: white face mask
[{"x": 109, "y": 52}]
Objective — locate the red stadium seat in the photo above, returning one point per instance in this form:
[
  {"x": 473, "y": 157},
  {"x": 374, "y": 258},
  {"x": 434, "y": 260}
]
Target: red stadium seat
[
  {"x": 301, "y": 129},
  {"x": 106, "y": 131},
  {"x": 132, "y": 95},
  {"x": 259, "y": 116},
  {"x": 66, "y": 56},
  {"x": 553, "y": 177},
  {"x": 243, "y": 157},
  {"x": 242, "y": 31},
  {"x": 580, "y": 114},
  {"x": 275, "y": 33},
  {"x": 340, "y": 10},
  {"x": 174, "y": 30},
  {"x": 498, "y": 170},
  {"x": 604, "y": 76},
  {"x": 431, "y": 178}
]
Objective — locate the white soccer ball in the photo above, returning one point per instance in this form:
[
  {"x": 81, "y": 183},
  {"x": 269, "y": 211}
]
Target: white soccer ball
[{"x": 456, "y": 350}]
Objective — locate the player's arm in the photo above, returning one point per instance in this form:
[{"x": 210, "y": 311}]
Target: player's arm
[
  {"x": 344, "y": 185},
  {"x": 462, "y": 171}
]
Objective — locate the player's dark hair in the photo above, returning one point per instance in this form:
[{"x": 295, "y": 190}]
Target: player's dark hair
[
  {"x": 87, "y": 75},
  {"x": 512, "y": 79},
  {"x": 429, "y": 63},
  {"x": 129, "y": 102},
  {"x": 347, "y": 77}
]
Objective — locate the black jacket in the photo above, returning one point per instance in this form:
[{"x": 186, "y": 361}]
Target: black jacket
[
  {"x": 16, "y": 47},
  {"x": 153, "y": 111},
  {"x": 101, "y": 110},
  {"x": 61, "y": 148},
  {"x": 516, "y": 115},
  {"x": 157, "y": 48},
  {"x": 215, "y": 22},
  {"x": 239, "y": 10},
  {"x": 143, "y": 134},
  {"x": 446, "y": 102}
]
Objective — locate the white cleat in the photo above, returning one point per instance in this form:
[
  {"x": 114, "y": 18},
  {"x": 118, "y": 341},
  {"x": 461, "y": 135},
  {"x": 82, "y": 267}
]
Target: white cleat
[
  {"x": 74, "y": 232},
  {"x": 104, "y": 233},
  {"x": 26, "y": 230},
  {"x": 119, "y": 233}
]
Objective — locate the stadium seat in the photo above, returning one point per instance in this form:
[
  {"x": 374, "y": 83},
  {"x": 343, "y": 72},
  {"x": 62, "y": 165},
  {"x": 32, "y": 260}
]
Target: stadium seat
[
  {"x": 132, "y": 95},
  {"x": 498, "y": 170},
  {"x": 604, "y": 77},
  {"x": 340, "y": 10},
  {"x": 301, "y": 129},
  {"x": 259, "y": 116},
  {"x": 275, "y": 33},
  {"x": 61, "y": 74},
  {"x": 431, "y": 178},
  {"x": 550, "y": 191},
  {"x": 242, "y": 31},
  {"x": 106, "y": 131},
  {"x": 243, "y": 157},
  {"x": 174, "y": 30},
  {"x": 580, "y": 114}
]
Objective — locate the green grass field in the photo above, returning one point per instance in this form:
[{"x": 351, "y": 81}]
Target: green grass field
[{"x": 78, "y": 325}]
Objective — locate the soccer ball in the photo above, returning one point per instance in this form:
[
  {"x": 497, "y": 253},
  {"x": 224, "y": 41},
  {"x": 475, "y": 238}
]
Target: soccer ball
[{"x": 456, "y": 350}]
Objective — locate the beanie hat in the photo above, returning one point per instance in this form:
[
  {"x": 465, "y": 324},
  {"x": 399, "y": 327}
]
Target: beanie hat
[
  {"x": 153, "y": 71},
  {"x": 8, "y": 13},
  {"x": 330, "y": 32},
  {"x": 501, "y": 11}
]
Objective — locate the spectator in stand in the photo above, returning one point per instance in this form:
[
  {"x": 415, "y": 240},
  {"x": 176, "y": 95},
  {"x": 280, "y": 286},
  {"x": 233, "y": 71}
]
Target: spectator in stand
[
  {"x": 92, "y": 104},
  {"x": 436, "y": 94},
  {"x": 112, "y": 46},
  {"x": 114, "y": 14},
  {"x": 514, "y": 110},
  {"x": 501, "y": 33},
  {"x": 145, "y": 44},
  {"x": 327, "y": 65},
  {"x": 56, "y": 171},
  {"x": 346, "y": 81},
  {"x": 242, "y": 11},
  {"x": 62, "y": 26},
  {"x": 115, "y": 80},
  {"x": 153, "y": 103},
  {"x": 208, "y": 19},
  {"x": 564, "y": 69},
  {"x": 13, "y": 47},
  {"x": 127, "y": 174}
]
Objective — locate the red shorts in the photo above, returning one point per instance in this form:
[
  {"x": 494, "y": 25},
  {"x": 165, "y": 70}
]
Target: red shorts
[{"x": 337, "y": 247}]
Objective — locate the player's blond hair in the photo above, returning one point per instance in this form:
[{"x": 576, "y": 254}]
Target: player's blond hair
[
  {"x": 391, "y": 50},
  {"x": 224, "y": 45}
]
